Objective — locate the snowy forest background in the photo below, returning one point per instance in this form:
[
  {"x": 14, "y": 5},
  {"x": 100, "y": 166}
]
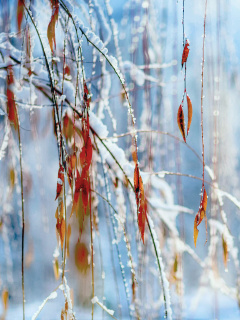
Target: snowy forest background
[{"x": 100, "y": 196}]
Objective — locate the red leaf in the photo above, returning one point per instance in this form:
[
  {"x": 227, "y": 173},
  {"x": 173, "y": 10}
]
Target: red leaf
[
  {"x": 20, "y": 11},
  {"x": 60, "y": 181},
  {"x": 181, "y": 122},
  {"x": 86, "y": 97},
  {"x": 142, "y": 217},
  {"x": 11, "y": 105},
  {"x": 185, "y": 52},
  {"x": 86, "y": 154},
  {"x": 189, "y": 103},
  {"x": 52, "y": 23},
  {"x": 136, "y": 183}
]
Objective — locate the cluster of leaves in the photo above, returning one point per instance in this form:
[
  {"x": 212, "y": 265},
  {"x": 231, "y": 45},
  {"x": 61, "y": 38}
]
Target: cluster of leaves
[{"x": 91, "y": 170}]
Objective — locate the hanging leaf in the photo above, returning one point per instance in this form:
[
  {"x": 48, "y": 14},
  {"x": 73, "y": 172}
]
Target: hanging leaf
[
  {"x": 60, "y": 226},
  {"x": 142, "y": 217},
  {"x": 60, "y": 181},
  {"x": 86, "y": 154},
  {"x": 195, "y": 230},
  {"x": 86, "y": 97},
  {"x": 200, "y": 215},
  {"x": 204, "y": 200},
  {"x": 185, "y": 52},
  {"x": 56, "y": 269},
  {"x": 225, "y": 251},
  {"x": 20, "y": 11},
  {"x": 81, "y": 257},
  {"x": 180, "y": 121},
  {"x": 52, "y": 24},
  {"x": 136, "y": 183},
  {"x": 11, "y": 105},
  {"x": 189, "y": 104},
  {"x": 5, "y": 297}
]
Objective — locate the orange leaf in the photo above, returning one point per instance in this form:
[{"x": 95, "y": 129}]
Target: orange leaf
[
  {"x": 204, "y": 200},
  {"x": 185, "y": 52},
  {"x": 180, "y": 121},
  {"x": 5, "y": 297},
  {"x": 60, "y": 181},
  {"x": 195, "y": 230},
  {"x": 20, "y": 11},
  {"x": 189, "y": 103},
  {"x": 52, "y": 23},
  {"x": 81, "y": 257}
]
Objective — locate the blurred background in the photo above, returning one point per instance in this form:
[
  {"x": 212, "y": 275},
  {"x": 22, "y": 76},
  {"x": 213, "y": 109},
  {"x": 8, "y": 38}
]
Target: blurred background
[{"x": 147, "y": 39}]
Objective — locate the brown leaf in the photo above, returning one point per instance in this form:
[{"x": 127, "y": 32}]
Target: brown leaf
[
  {"x": 225, "y": 251},
  {"x": 185, "y": 52},
  {"x": 52, "y": 23},
  {"x": 20, "y": 11},
  {"x": 189, "y": 104},
  {"x": 56, "y": 269},
  {"x": 180, "y": 121}
]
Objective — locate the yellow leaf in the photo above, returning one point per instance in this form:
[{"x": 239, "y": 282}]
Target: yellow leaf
[
  {"x": 195, "y": 230},
  {"x": 5, "y": 296}
]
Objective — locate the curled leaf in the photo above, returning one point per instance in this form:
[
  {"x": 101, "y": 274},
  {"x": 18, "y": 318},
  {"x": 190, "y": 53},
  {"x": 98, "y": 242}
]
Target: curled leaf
[
  {"x": 181, "y": 122},
  {"x": 189, "y": 104},
  {"x": 185, "y": 52}
]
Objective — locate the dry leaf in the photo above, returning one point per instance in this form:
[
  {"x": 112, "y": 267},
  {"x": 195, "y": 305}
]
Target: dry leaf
[
  {"x": 189, "y": 104},
  {"x": 225, "y": 251},
  {"x": 185, "y": 52},
  {"x": 81, "y": 257},
  {"x": 52, "y": 23},
  {"x": 56, "y": 269},
  {"x": 60, "y": 181},
  {"x": 5, "y": 297},
  {"x": 180, "y": 121},
  {"x": 20, "y": 11},
  {"x": 195, "y": 230}
]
